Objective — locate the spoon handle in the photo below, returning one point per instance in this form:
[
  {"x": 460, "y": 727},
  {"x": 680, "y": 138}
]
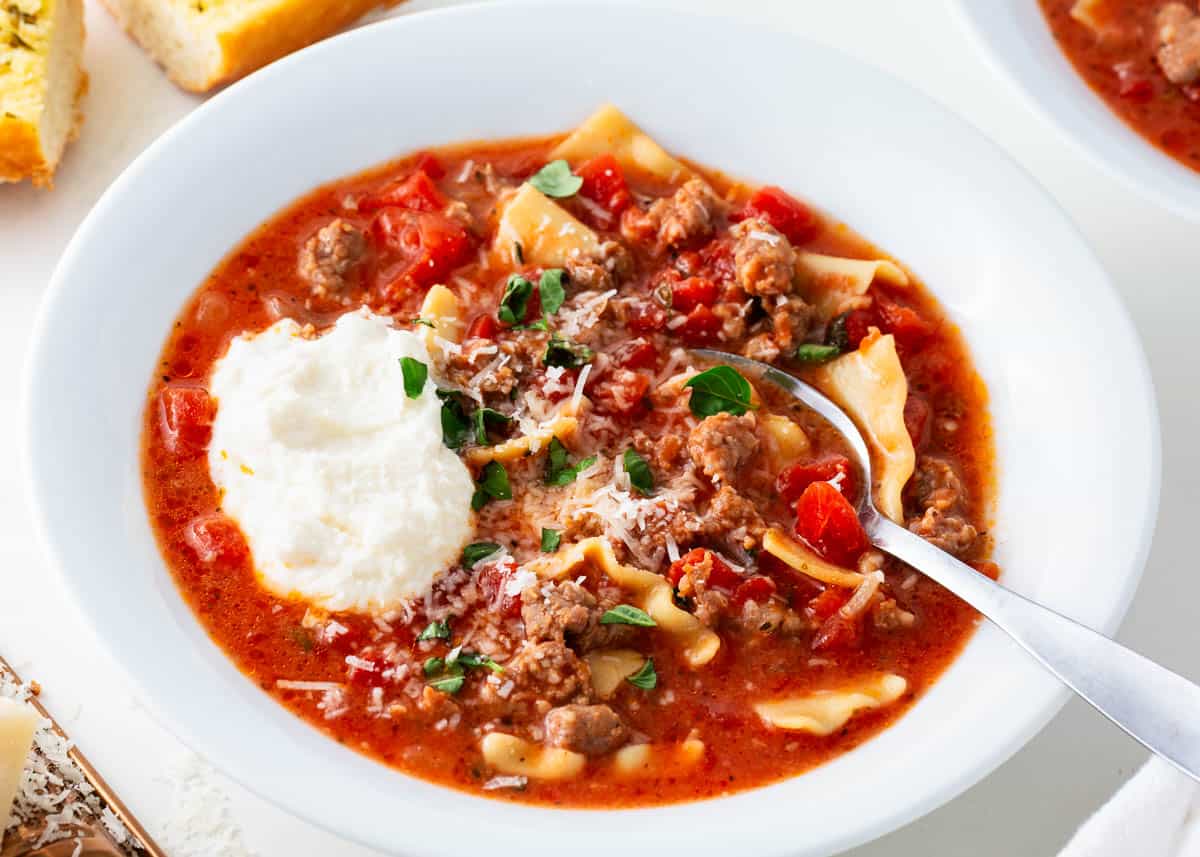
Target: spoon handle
[{"x": 1154, "y": 705}]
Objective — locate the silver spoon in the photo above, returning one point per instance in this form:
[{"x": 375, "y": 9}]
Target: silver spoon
[{"x": 1154, "y": 705}]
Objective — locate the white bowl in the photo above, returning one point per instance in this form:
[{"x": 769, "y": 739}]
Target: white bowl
[
  {"x": 1071, "y": 395},
  {"x": 1015, "y": 37}
]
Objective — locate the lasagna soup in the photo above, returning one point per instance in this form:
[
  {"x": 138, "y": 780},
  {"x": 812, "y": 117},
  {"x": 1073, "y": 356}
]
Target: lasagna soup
[
  {"x": 431, "y": 459},
  {"x": 1143, "y": 58}
]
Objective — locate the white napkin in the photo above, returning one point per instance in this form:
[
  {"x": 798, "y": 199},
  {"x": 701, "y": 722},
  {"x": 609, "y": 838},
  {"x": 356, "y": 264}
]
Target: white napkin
[{"x": 1155, "y": 814}]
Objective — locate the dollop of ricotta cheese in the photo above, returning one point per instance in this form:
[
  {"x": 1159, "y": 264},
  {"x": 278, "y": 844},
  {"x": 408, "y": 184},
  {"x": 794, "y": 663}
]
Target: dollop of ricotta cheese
[{"x": 339, "y": 481}]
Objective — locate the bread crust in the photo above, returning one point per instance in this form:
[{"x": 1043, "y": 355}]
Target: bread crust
[
  {"x": 250, "y": 44},
  {"x": 21, "y": 153}
]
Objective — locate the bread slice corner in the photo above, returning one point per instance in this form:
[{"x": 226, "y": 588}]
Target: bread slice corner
[
  {"x": 41, "y": 85},
  {"x": 204, "y": 44}
]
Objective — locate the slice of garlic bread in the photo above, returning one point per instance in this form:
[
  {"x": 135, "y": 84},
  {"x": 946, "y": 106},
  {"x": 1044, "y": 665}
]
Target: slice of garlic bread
[
  {"x": 41, "y": 81},
  {"x": 205, "y": 43}
]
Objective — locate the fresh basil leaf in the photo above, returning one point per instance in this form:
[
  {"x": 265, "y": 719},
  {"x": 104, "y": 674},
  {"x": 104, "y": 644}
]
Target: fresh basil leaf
[
  {"x": 436, "y": 631},
  {"x": 476, "y": 551},
  {"x": 456, "y": 427},
  {"x": 556, "y": 180},
  {"x": 415, "y": 374},
  {"x": 559, "y": 470},
  {"x": 551, "y": 291},
  {"x": 640, "y": 476},
  {"x": 551, "y": 539},
  {"x": 810, "y": 352},
  {"x": 836, "y": 335},
  {"x": 482, "y": 417},
  {"x": 719, "y": 389},
  {"x": 561, "y": 351},
  {"x": 433, "y": 666},
  {"x": 645, "y": 678},
  {"x": 492, "y": 485},
  {"x": 627, "y": 614},
  {"x": 474, "y": 661},
  {"x": 515, "y": 299},
  {"x": 425, "y": 322},
  {"x": 452, "y": 684}
]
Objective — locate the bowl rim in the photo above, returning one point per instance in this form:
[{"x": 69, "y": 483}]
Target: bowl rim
[
  {"x": 1077, "y": 112},
  {"x": 905, "y": 809}
]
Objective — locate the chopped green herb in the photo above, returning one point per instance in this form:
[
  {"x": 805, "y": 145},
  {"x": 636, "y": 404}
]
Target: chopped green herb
[
  {"x": 476, "y": 551},
  {"x": 515, "y": 299},
  {"x": 559, "y": 470},
  {"x": 551, "y": 539},
  {"x": 482, "y": 417},
  {"x": 436, "y": 631},
  {"x": 561, "y": 351},
  {"x": 475, "y": 661},
  {"x": 540, "y": 324},
  {"x": 836, "y": 335},
  {"x": 425, "y": 322},
  {"x": 551, "y": 291},
  {"x": 415, "y": 374},
  {"x": 452, "y": 684},
  {"x": 301, "y": 638},
  {"x": 556, "y": 180},
  {"x": 645, "y": 678},
  {"x": 810, "y": 352},
  {"x": 492, "y": 485},
  {"x": 718, "y": 389},
  {"x": 627, "y": 614},
  {"x": 456, "y": 427},
  {"x": 433, "y": 666},
  {"x": 640, "y": 476}
]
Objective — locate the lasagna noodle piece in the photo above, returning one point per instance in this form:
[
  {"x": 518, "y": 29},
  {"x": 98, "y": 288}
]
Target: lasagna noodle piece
[
  {"x": 609, "y": 667},
  {"x": 651, "y": 591},
  {"x": 442, "y": 309},
  {"x": 786, "y": 442},
  {"x": 204, "y": 45},
  {"x": 823, "y": 712},
  {"x": 609, "y": 131},
  {"x": 18, "y": 724},
  {"x": 41, "y": 83},
  {"x": 805, "y": 561},
  {"x": 834, "y": 280},
  {"x": 545, "y": 231},
  {"x": 561, "y": 426},
  {"x": 515, "y": 756},
  {"x": 870, "y": 384},
  {"x": 657, "y": 759}
]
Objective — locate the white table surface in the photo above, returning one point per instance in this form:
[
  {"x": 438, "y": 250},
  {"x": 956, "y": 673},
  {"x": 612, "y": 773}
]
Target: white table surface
[{"x": 1028, "y": 807}]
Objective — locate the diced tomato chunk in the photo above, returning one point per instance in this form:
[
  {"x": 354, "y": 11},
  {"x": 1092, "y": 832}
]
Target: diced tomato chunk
[
  {"x": 646, "y": 317},
  {"x": 916, "y": 419},
  {"x": 693, "y": 292},
  {"x": 700, "y": 326},
  {"x": 757, "y": 589},
  {"x": 216, "y": 538},
  {"x": 430, "y": 165},
  {"x": 636, "y": 354},
  {"x": 905, "y": 323},
  {"x": 794, "y": 480},
  {"x": 837, "y": 632},
  {"x": 493, "y": 582},
  {"x": 720, "y": 575},
  {"x": 185, "y": 419},
  {"x": 1132, "y": 84},
  {"x": 621, "y": 393},
  {"x": 483, "y": 327},
  {"x": 417, "y": 192},
  {"x": 604, "y": 184},
  {"x": 828, "y": 602},
  {"x": 783, "y": 211},
  {"x": 858, "y": 324},
  {"x": 827, "y": 521},
  {"x": 428, "y": 246},
  {"x": 986, "y": 568}
]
